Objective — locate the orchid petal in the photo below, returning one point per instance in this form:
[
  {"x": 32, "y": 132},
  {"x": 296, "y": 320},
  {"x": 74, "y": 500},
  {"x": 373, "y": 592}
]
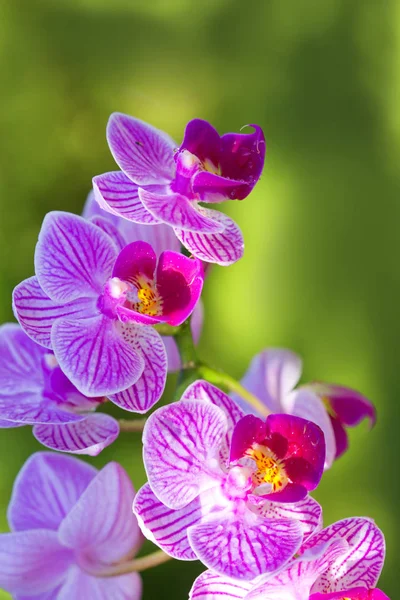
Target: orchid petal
[
  {"x": 160, "y": 237},
  {"x": 31, "y": 408},
  {"x": 73, "y": 257},
  {"x": 97, "y": 354},
  {"x": 81, "y": 585},
  {"x": 361, "y": 565},
  {"x": 305, "y": 453},
  {"x": 243, "y": 155},
  {"x": 111, "y": 230},
  {"x": 111, "y": 533},
  {"x": 165, "y": 527},
  {"x": 348, "y": 405},
  {"x": 206, "y": 392},
  {"x": 298, "y": 580},
  {"x": 307, "y": 512},
  {"x": 212, "y": 187},
  {"x": 307, "y": 405},
  {"x": 202, "y": 140},
  {"x": 353, "y": 594},
  {"x": 36, "y": 312},
  {"x": 211, "y": 586},
  {"x": 46, "y": 489},
  {"x": 181, "y": 444},
  {"x": 144, "y": 153},
  {"x": 224, "y": 248},
  {"x": 137, "y": 258},
  {"x": 142, "y": 395},
  {"x": 32, "y": 562},
  {"x": 89, "y": 436},
  {"x": 271, "y": 376},
  {"x": 92, "y": 209},
  {"x": 176, "y": 210},
  {"x": 179, "y": 283},
  {"x": 244, "y": 549},
  {"x": 118, "y": 195},
  {"x": 20, "y": 361}
]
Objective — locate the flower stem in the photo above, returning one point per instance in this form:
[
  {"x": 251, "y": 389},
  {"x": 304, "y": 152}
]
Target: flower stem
[
  {"x": 221, "y": 379},
  {"x": 133, "y": 566},
  {"x": 131, "y": 424},
  {"x": 186, "y": 347}
]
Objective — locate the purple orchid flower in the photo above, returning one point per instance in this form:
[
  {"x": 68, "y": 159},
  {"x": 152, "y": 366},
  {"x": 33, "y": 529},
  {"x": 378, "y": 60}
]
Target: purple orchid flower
[
  {"x": 34, "y": 391},
  {"x": 272, "y": 377},
  {"x": 92, "y": 306},
  {"x": 160, "y": 184},
  {"x": 342, "y": 562},
  {"x": 199, "y": 505},
  {"x": 55, "y": 551},
  {"x": 161, "y": 238}
]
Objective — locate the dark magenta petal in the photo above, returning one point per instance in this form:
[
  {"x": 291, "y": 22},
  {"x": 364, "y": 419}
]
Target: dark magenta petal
[
  {"x": 215, "y": 188},
  {"x": 305, "y": 455},
  {"x": 243, "y": 155},
  {"x": 248, "y": 431},
  {"x": 202, "y": 140},
  {"x": 353, "y": 594},
  {"x": 137, "y": 258},
  {"x": 341, "y": 437},
  {"x": 179, "y": 283},
  {"x": 293, "y": 492},
  {"x": 350, "y": 406}
]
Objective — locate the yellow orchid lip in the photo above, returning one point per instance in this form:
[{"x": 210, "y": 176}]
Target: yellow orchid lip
[{"x": 269, "y": 468}]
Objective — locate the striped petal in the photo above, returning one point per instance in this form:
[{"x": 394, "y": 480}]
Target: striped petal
[
  {"x": 181, "y": 442},
  {"x": 161, "y": 237},
  {"x": 32, "y": 562},
  {"x": 211, "y": 586},
  {"x": 142, "y": 395},
  {"x": 81, "y": 585},
  {"x": 89, "y": 436},
  {"x": 165, "y": 527},
  {"x": 244, "y": 546},
  {"x": 112, "y": 532},
  {"x": 111, "y": 230},
  {"x": 206, "y": 392},
  {"x": 36, "y": 312},
  {"x": 361, "y": 565},
  {"x": 118, "y": 195},
  {"x": 46, "y": 489},
  {"x": 73, "y": 257},
  {"x": 21, "y": 358},
  {"x": 224, "y": 248},
  {"x": 176, "y": 210},
  {"x": 296, "y": 582},
  {"x": 307, "y": 512},
  {"x": 32, "y": 408},
  {"x": 143, "y": 152},
  {"x": 98, "y": 355}
]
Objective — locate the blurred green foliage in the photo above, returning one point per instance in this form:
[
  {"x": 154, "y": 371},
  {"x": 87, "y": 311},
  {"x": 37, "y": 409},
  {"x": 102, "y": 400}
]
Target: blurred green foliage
[{"x": 320, "y": 273}]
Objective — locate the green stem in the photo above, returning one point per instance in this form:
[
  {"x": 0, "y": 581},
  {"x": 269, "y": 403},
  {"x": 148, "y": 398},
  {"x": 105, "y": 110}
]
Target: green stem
[
  {"x": 133, "y": 566},
  {"x": 131, "y": 424},
  {"x": 186, "y": 347},
  {"x": 221, "y": 379}
]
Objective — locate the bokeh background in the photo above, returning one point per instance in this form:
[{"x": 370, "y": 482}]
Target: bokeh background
[{"x": 321, "y": 269}]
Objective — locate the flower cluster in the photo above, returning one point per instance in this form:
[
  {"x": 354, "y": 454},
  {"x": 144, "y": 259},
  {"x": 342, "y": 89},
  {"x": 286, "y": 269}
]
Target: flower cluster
[{"x": 114, "y": 305}]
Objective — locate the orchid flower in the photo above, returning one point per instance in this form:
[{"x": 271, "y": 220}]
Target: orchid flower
[
  {"x": 272, "y": 377},
  {"x": 93, "y": 306},
  {"x": 159, "y": 183},
  {"x": 69, "y": 523},
  {"x": 200, "y": 504},
  {"x": 341, "y": 562}
]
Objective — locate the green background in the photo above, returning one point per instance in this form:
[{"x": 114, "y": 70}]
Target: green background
[{"x": 320, "y": 273}]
